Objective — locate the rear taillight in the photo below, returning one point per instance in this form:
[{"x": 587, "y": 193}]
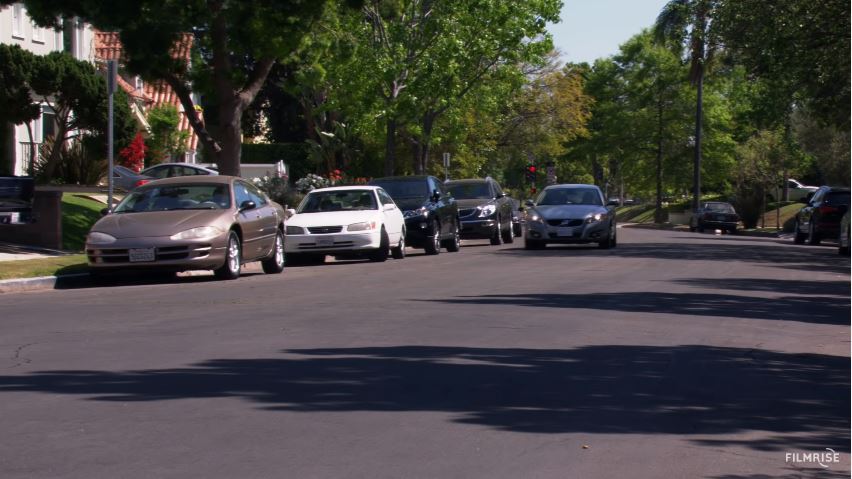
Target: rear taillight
[
  {"x": 140, "y": 183},
  {"x": 825, "y": 210}
]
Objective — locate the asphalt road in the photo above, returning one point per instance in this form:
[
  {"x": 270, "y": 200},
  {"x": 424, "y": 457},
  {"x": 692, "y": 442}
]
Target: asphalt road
[{"x": 676, "y": 355}]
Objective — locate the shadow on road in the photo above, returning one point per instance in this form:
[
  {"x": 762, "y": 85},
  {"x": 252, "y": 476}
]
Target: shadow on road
[
  {"x": 829, "y": 288},
  {"x": 796, "y": 400},
  {"x": 806, "y": 309}
]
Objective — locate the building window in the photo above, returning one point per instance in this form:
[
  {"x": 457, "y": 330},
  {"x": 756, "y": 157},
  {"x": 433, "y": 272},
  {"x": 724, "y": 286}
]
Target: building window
[
  {"x": 48, "y": 122},
  {"x": 139, "y": 84},
  {"x": 18, "y": 20},
  {"x": 38, "y": 33}
]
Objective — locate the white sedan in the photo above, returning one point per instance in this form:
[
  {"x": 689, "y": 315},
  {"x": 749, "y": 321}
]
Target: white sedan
[{"x": 356, "y": 221}]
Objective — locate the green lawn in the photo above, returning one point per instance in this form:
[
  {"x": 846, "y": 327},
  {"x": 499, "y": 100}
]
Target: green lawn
[
  {"x": 32, "y": 268},
  {"x": 78, "y": 216}
]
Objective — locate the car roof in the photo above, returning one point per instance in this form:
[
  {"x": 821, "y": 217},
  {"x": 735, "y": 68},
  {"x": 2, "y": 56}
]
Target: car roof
[
  {"x": 344, "y": 188},
  {"x": 178, "y": 163},
  {"x": 215, "y": 179},
  {"x": 468, "y": 180},
  {"x": 571, "y": 185},
  {"x": 401, "y": 178}
]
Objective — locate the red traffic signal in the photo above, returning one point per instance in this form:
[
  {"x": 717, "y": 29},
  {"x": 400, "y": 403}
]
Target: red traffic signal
[{"x": 531, "y": 168}]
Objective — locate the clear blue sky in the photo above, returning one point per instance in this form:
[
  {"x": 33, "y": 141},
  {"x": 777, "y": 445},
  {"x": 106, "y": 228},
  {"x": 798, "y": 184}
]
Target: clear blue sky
[{"x": 592, "y": 29}]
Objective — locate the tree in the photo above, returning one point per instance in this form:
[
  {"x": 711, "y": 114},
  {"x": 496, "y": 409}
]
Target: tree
[
  {"x": 133, "y": 155},
  {"x": 686, "y": 23},
  {"x": 16, "y": 104},
  {"x": 238, "y": 43},
  {"x": 167, "y": 140}
]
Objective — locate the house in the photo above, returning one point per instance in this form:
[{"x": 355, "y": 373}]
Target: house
[
  {"x": 146, "y": 95},
  {"x": 16, "y": 28}
]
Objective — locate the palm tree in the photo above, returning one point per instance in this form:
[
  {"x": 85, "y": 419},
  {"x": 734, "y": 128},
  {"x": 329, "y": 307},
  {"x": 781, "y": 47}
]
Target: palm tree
[{"x": 685, "y": 24}]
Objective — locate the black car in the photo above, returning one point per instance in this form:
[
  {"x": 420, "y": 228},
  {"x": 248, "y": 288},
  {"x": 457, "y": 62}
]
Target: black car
[
  {"x": 431, "y": 214},
  {"x": 820, "y": 217},
  {"x": 714, "y": 215},
  {"x": 484, "y": 210}
]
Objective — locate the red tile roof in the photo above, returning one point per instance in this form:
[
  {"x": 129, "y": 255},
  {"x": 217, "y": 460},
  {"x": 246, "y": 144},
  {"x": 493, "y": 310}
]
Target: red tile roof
[{"x": 108, "y": 47}]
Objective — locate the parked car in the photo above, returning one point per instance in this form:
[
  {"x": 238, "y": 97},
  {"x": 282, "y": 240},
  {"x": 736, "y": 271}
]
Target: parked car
[
  {"x": 484, "y": 210},
  {"x": 843, "y": 241},
  {"x": 189, "y": 223},
  {"x": 614, "y": 201},
  {"x": 517, "y": 218},
  {"x": 16, "y": 199},
  {"x": 345, "y": 221},
  {"x": 170, "y": 170},
  {"x": 127, "y": 179},
  {"x": 797, "y": 191},
  {"x": 431, "y": 214},
  {"x": 570, "y": 214},
  {"x": 821, "y": 215},
  {"x": 714, "y": 215}
]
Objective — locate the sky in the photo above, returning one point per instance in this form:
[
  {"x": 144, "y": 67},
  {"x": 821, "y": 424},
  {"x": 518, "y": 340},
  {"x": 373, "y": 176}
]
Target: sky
[{"x": 592, "y": 29}]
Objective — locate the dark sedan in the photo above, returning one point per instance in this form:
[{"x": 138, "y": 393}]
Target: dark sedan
[
  {"x": 570, "y": 214},
  {"x": 714, "y": 215},
  {"x": 820, "y": 217},
  {"x": 484, "y": 210}
]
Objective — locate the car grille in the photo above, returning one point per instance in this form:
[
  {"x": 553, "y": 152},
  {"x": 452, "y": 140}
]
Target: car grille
[
  {"x": 337, "y": 244},
  {"x": 170, "y": 253},
  {"x": 467, "y": 212},
  {"x": 565, "y": 222},
  {"x": 324, "y": 230}
]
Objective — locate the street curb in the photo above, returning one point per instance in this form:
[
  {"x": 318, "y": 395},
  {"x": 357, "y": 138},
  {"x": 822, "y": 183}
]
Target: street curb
[
  {"x": 670, "y": 227},
  {"x": 35, "y": 284}
]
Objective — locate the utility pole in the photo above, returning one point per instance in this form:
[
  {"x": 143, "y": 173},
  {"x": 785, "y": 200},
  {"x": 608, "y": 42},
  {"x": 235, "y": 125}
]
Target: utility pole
[{"x": 112, "y": 70}]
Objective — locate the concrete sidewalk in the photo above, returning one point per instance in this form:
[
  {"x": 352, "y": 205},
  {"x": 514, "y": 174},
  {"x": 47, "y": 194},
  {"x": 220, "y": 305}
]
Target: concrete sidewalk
[{"x": 15, "y": 252}]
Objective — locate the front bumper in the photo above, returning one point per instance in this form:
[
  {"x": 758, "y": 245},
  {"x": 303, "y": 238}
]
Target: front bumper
[
  {"x": 480, "y": 228},
  {"x": 333, "y": 242},
  {"x": 418, "y": 229},
  {"x": 584, "y": 233},
  {"x": 168, "y": 254}
]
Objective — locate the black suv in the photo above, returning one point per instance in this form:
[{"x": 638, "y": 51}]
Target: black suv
[
  {"x": 821, "y": 215},
  {"x": 431, "y": 214},
  {"x": 484, "y": 210}
]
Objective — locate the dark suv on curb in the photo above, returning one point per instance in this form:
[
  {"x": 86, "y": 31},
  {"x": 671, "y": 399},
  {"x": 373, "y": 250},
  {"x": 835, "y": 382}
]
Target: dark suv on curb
[
  {"x": 484, "y": 210},
  {"x": 821, "y": 215},
  {"x": 430, "y": 212}
]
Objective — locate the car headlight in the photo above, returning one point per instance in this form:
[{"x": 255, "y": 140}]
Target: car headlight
[
  {"x": 96, "y": 237},
  {"x": 486, "y": 211},
  {"x": 595, "y": 218},
  {"x": 365, "y": 226},
  {"x": 198, "y": 233},
  {"x": 536, "y": 218},
  {"x": 422, "y": 211},
  {"x": 294, "y": 230}
]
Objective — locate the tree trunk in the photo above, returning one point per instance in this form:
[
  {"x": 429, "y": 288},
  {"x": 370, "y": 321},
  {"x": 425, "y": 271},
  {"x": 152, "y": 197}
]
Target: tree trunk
[
  {"x": 230, "y": 138},
  {"x": 390, "y": 147},
  {"x": 696, "y": 173},
  {"x": 425, "y": 142}
]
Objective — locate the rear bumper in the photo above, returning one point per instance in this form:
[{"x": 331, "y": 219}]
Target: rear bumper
[{"x": 724, "y": 225}]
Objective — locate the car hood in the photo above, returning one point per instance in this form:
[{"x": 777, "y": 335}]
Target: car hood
[
  {"x": 473, "y": 203},
  {"x": 568, "y": 211},
  {"x": 158, "y": 223},
  {"x": 332, "y": 218},
  {"x": 406, "y": 204}
]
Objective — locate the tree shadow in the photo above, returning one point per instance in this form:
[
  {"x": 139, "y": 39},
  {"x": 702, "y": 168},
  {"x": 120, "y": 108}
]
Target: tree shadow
[
  {"x": 794, "y": 400},
  {"x": 807, "y": 309},
  {"x": 829, "y": 288}
]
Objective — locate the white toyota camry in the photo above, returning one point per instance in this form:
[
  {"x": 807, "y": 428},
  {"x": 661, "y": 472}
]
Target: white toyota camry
[{"x": 344, "y": 221}]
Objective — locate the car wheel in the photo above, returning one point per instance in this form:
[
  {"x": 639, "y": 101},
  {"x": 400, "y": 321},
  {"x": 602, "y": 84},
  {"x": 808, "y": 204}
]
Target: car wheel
[
  {"x": 453, "y": 245},
  {"x": 381, "y": 254},
  {"x": 233, "y": 259},
  {"x": 274, "y": 264},
  {"x": 509, "y": 234},
  {"x": 732, "y": 230},
  {"x": 399, "y": 251},
  {"x": 813, "y": 234},
  {"x": 433, "y": 243},
  {"x": 497, "y": 236},
  {"x": 800, "y": 237}
]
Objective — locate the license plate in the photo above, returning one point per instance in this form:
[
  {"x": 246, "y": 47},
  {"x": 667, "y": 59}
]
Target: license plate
[
  {"x": 325, "y": 241},
  {"x": 564, "y": 231},
  {"x": 138, "y": 255}
]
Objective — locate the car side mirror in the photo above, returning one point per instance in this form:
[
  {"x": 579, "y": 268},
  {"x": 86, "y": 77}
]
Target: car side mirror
[
  {"x": 389, "y": 207},
  {"x": 501, "y": 195},
  {"x": 529, "y": 203},
  {"x": 104, "y": 211},
  {"x": 436, "y": 196},
  {"x": 290, "y": 212},
  {"x": 247, "y": 205}
]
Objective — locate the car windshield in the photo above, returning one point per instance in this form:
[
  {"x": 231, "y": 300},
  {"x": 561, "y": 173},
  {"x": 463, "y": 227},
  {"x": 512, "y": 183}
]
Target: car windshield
[
  {"x": 176, "y": 197},
  {"x": 470, "y": 191},
  {"x": 719, "y": 207},
  {"x": 570, "y": 196},
  {"x": 404, "y": 188},
  {"x": 340, "y": 200}
]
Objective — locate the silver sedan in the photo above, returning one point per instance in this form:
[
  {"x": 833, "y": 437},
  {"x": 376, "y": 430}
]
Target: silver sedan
[{"x": 570, "y": 214}]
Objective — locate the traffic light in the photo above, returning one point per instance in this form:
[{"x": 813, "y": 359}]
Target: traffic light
[{"x": 531, "y": 173}]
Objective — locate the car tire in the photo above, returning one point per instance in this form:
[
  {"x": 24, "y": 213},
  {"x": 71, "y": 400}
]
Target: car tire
[
  {"x": 274, "y": 264},
  {"x": 509, "y": 234},
  {"x": 433, "y": 242},
  {"x": 497, "y": 235},
  {"x": 813, "y": 234},
  {"x": 381, "y": 254},
  {"x": 233, "y": 259},
  {"x": 800, "y": 237},
  {"x": 732, "y": 230},
  {"x": 453, "y": 244},
  {"x": 399, "y": 251}
]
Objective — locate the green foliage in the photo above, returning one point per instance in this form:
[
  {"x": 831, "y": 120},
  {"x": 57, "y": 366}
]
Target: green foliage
[{"x": 167, "y": 140}]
